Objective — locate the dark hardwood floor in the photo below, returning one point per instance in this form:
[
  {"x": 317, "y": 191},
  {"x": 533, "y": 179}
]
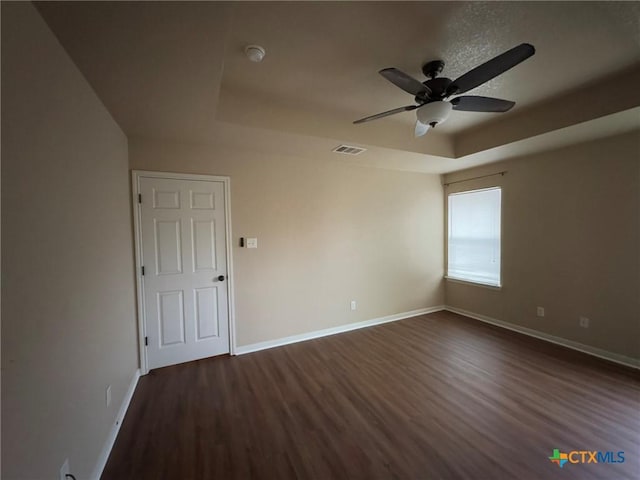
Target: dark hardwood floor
[{"x": 436, "y": 396}]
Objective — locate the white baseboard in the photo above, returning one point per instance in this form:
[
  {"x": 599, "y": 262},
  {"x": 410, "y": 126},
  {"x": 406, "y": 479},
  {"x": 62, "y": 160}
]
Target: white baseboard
[
  {"x": 108, "y": 444},
  {"x": 254, "y": 347},
  {"x": 596, "y": 352}
]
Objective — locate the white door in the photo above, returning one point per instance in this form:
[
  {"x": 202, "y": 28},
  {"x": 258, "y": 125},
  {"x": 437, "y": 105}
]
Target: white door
[{"x": 183, "y": 251}]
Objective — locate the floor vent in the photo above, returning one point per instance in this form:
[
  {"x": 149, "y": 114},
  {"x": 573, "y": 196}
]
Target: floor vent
[{"x": 349, "y": 150}]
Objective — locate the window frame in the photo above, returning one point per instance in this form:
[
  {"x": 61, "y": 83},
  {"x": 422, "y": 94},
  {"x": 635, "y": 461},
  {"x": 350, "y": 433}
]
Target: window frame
[{"x": 455, "y": 279}]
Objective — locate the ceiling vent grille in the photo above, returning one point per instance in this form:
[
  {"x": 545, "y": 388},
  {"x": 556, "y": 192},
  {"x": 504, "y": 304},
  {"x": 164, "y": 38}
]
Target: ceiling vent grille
[{"x": 349, "y": 150}]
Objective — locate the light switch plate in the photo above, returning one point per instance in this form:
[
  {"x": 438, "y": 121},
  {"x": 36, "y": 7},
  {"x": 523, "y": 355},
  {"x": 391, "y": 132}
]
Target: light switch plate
[{"x": 252, "y": 243}]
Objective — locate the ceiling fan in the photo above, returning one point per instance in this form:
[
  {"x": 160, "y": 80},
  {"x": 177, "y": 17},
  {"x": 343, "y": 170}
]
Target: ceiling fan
[{"x": 431, "y": 95}]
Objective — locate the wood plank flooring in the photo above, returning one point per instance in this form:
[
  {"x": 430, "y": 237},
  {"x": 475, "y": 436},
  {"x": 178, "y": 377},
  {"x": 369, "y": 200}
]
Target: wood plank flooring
[{"x": 433, "y": 397}]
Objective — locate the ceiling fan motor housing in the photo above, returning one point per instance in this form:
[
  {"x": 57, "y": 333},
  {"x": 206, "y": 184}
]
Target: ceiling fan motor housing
[
  {"x": 438, "y": 87},
  {"x": 438, "y": 90}
]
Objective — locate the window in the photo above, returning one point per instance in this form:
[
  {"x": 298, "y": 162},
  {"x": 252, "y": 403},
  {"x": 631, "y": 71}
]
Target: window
[{"x": 474, "y": 236}]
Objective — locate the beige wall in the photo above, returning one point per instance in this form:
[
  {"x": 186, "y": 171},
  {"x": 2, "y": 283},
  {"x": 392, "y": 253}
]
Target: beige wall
[
  {"x": 68, "y": 326},
  {"x": 328, "y": 232},
  {"x": 571, "y": 243}
]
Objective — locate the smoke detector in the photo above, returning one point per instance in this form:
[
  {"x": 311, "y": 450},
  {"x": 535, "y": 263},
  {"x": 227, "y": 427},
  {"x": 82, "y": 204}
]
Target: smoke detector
[{"x": 255, "y": 53}]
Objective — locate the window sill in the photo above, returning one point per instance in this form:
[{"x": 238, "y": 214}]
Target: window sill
[{"x": 475, "y": 284}]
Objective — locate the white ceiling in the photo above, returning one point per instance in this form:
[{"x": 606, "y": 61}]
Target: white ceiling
[{"x": 177, "y": 70}]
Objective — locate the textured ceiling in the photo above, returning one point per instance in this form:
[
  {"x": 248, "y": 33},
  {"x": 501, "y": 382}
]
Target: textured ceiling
[
  {"x": 326, "y": 55},
  {"x": 175, "y": 70}
]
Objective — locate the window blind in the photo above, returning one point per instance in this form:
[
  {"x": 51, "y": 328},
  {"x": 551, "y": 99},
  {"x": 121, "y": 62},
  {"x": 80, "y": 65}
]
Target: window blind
[{"x": 474, "y": 236}]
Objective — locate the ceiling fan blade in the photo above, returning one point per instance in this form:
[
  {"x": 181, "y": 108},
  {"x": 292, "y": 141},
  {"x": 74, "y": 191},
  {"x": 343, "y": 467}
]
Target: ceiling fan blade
[
  {"x": 471, "y": 103},
  {"x": 387, "y": 113},
  {"x": 491, "y": 69},
  {"x": 421, "y": 128},
  {"x": 405, "y": 82}
]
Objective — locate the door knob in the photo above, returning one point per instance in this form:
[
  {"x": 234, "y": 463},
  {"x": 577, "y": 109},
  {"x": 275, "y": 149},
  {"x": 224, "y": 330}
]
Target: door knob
[{"x": 221, "y": 278}]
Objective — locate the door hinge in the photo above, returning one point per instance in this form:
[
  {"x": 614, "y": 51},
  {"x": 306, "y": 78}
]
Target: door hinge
[
  {"x": 139, "y": 198},
  {"x": 146, "y": 341},
  {"x": 143, "y": 270}
]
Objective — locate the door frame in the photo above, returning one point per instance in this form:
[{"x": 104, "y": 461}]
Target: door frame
[{"x": 137, "y": 224}]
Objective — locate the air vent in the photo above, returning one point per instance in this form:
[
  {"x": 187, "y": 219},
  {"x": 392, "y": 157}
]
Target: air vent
[{"x": 349, "y": 150}]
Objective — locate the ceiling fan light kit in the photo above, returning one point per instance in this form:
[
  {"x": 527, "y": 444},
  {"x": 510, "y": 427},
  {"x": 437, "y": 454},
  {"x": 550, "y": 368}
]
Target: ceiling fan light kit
[
  {"x": 430, "y": 96},
  {"x": 255, "y": 53},
  {"x": 434, "y": 113}
]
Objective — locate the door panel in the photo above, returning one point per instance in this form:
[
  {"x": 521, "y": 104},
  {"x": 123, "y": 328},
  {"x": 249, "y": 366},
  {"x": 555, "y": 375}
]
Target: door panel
[
  {"x": 207, "y": 312},
  {"x": 183, "y": 242},
  {"x": 171, "y": 317},
  {"x": 167, "y": 247},
  {"x": 166, "y": 200},
  {"x": 202, "y": 201},
  {"x": 203, "y": 233}
]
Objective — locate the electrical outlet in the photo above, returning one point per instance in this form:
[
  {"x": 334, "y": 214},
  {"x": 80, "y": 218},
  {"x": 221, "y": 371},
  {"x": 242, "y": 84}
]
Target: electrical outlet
[
  {"x": 540, "y": 311},
  {"x": 354, "y": 305},
  {"x": 584, "y": 322},
  {"x": 108, "y": 395},
  {"x": 64, "y": 470}
]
